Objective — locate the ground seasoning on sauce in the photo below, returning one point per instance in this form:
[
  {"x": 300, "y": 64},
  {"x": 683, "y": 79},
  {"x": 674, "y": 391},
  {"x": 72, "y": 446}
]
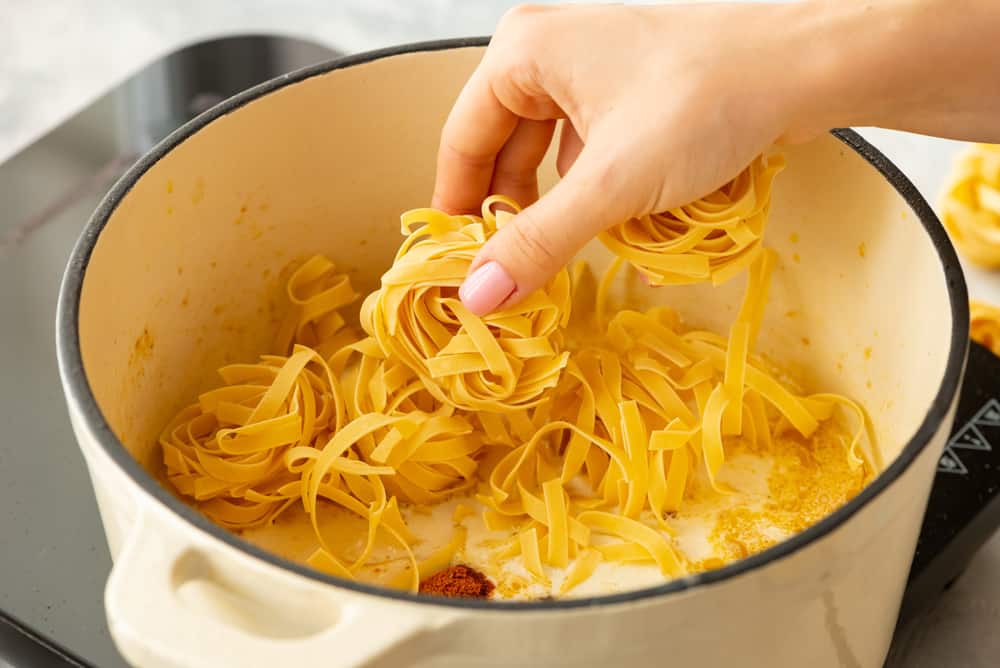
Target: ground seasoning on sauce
[{"x": 458, "y": 582}]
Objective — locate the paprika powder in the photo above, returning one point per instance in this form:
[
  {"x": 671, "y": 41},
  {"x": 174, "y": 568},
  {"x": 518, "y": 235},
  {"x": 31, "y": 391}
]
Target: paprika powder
[{"x": 458, "y": 581}]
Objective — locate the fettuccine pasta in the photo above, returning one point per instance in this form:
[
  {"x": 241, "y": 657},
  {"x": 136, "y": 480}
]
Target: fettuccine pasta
[
  {"x": 711, "y": 239},
  {"x": 970, "y": 208},
  {"x": 984, "y": 325},
  {"x": 504, "y": 361},
  {"x": 576, "y": 449}
]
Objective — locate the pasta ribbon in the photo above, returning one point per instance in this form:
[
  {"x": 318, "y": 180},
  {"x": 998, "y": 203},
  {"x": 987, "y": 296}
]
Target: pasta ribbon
[
  {"x": 577, "y": 441},
  {"x": 711, "y": 239},
  {"x": 984, "y": 325},
  {"x": 582, "y": 568},
  {"x": 970, "y": 208},
  {"x": 503, "y": 361}
]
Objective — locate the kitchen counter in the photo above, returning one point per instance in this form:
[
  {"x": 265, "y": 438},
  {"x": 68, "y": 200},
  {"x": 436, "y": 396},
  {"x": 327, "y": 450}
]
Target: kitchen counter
[
  {"x": 54, "y": 60},
  {"x": 56, "y": 56}
]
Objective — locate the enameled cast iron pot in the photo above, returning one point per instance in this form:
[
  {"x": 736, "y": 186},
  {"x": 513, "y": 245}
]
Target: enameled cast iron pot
[{"x": 174, "y": 275}]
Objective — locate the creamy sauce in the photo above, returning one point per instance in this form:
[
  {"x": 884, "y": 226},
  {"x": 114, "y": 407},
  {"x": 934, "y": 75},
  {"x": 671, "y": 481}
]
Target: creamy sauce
[{"x": 775, "y": 493}]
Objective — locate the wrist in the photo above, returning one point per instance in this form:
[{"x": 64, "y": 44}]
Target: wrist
[
  {"x": 824, "y": 59},
  {"x": 866, "y": 63}
]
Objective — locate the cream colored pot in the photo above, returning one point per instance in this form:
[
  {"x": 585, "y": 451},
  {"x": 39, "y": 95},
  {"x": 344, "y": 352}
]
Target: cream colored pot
[{"x": 172, "y": 278}]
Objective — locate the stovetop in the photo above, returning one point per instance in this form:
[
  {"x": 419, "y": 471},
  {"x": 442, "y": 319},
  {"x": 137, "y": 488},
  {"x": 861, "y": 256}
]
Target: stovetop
[
  {"x": 54, "y": 560},
  {"x": 53, "y": 556}
]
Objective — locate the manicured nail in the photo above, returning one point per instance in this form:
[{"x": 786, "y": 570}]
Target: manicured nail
[
  {"x": 486, "y": 288},
  {"x": 648, "y": 281}
]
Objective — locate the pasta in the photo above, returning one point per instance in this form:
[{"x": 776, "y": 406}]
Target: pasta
[
  {"x": 576, "y": 449},
  {"x": 504, "y": 361},
  {"x": 713, "y": 238},
  {"x": 970, "y": 209},
  {"x": 984, "y": 325}
]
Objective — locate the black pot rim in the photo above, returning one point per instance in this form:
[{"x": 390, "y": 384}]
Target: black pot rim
[{"x": 81, "y": 398}]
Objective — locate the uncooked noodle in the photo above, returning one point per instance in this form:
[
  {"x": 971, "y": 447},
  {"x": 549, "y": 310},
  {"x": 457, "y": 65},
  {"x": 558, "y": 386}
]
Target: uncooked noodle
[
  {"x": 577, "y": 451},
  {"x": 504, "y": 361},
  {"x": 984, "y": 325},
  {"x": 713, "y": 238},
  {"x": 970, "y": 208}
]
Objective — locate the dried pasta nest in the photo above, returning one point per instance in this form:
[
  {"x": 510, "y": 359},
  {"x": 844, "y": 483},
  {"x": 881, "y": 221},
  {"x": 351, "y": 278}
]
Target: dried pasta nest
[
  {"x": 237, "y": 450},
  {"x": 970, "y": 208},
  {"x": 713, "y": 238},
  {"x": 504, "y": 361},
  {"x": 985, "y": 325}
]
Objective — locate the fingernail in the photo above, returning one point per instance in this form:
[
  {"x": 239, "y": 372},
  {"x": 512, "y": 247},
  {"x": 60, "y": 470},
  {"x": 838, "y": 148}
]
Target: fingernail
[
  {"x": 486, "y": 288},
  {"x": 649, "y": 282}
]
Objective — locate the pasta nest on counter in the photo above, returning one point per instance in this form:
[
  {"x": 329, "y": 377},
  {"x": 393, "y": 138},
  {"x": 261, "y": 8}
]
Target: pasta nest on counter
[
  {"x": 710, "y": 239},
  {"x": 984, "y": 325},
  {"x": 501, "y": 362},
  {"x": 970, "y": 208}
]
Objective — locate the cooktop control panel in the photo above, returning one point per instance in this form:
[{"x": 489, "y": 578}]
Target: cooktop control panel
[{"x": 964, "y": 506}]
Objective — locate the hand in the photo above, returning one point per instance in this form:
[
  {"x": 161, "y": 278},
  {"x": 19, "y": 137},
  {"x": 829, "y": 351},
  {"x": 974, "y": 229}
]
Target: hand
[{"x": 661, "y": 105}]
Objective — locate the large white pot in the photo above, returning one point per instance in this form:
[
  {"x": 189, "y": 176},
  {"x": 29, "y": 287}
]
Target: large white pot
[{"x": 172, "y": 276}]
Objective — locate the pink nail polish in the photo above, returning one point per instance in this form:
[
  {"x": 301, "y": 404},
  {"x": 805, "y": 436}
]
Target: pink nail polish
[{"x": 486, "y": 288}]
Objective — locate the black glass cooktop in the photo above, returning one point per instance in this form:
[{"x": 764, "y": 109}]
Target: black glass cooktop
[{"x": 53, "y": 556}]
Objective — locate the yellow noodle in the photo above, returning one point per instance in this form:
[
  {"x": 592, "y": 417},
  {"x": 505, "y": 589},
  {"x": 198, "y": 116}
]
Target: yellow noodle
[
  {"x": 531, "y": 552},
  {"x": 558, "y": 522},
  {"x": 984, "y": 325},
  {"x": 711, "y": 239},
  {"x": 582, "y": 568},
  {"x": 623, "y": 552},
  {"x": 504, "y": 361},
  {"x": 317, "y": 294},
  {"x": 558, "y": 443},
  {"x": 970, "y": 207},
  {"x": 654, "y": 542}
]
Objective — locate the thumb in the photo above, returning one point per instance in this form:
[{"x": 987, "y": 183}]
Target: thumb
[{"x": 539, "y": 241}]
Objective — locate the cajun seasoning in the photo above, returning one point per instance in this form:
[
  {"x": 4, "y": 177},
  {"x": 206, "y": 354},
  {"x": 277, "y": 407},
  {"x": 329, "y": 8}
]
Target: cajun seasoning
[{"x": 458, "y": 582}]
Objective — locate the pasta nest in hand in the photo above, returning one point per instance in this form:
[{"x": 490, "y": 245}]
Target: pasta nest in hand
[
  {"x": 713, "y": 238},
  {"x": 970, "y": 209},
  {"x": 501, "y": 362}
]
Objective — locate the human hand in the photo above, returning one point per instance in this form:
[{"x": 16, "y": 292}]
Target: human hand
[{"x": 662, "y": 105}]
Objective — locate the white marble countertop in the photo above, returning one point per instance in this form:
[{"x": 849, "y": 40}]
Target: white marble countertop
[{"x": 56, "y": 56}]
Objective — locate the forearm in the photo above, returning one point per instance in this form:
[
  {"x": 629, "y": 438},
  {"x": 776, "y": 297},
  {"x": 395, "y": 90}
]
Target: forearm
[
  {"x": 645, "y": 90},
  {"x": 926, "y": 66}
]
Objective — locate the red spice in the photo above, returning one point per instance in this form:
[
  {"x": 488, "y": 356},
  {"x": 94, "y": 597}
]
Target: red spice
[{"x": 458, "y": 582}]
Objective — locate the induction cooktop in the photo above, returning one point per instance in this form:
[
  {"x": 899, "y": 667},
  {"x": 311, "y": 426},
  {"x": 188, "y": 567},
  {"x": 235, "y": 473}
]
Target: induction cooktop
[{"x": 53, "y": 557}]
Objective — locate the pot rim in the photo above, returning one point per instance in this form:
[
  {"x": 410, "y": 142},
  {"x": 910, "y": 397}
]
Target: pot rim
[{"x": 81, "y": 398}]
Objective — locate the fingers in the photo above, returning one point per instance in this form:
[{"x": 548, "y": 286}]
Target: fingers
[
  {"x": 500, "y": 126},
  {"x": 516, "y": 170},
  {"x": 570, "y": 146},
  {"x": 476, "y": 130},
  {"x": 523, "y": 255}
]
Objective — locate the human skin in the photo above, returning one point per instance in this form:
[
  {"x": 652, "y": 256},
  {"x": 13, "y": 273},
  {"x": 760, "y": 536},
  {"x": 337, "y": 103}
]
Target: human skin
[{"x": 663, "y": 104}]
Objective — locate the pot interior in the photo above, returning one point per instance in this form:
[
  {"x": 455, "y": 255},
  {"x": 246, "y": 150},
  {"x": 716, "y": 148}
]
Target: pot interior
[{"x": 188, "y": 273}]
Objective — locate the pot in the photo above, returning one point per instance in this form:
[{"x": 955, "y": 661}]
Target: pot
[{"x": 172, "y": 278}]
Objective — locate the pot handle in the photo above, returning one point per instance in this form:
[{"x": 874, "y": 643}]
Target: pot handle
[{"x": 171, "y": 603}]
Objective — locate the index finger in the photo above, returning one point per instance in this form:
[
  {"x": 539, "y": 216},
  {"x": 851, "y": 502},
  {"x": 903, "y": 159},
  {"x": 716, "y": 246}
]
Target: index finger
[{"x": 477, "y": 128}]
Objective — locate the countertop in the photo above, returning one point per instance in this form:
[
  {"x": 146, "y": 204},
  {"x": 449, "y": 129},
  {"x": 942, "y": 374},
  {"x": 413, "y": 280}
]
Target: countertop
[{"x": 56, "y": 56}]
